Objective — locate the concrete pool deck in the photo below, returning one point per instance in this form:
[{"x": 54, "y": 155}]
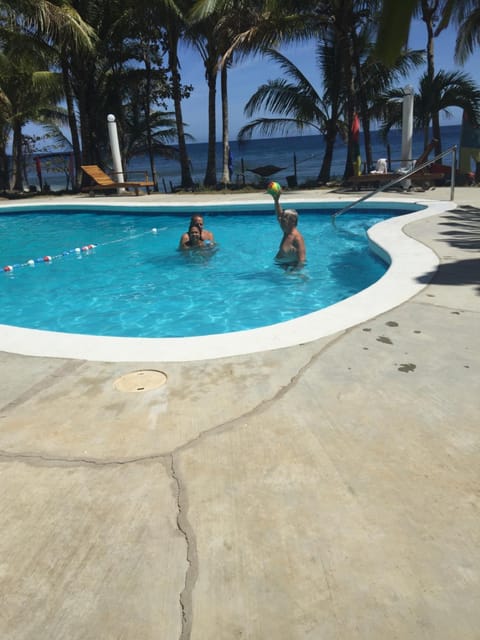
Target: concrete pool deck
[{"x": 327, "y": 490}]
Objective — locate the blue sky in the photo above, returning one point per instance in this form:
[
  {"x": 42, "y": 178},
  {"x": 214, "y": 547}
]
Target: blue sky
[{"x": 245, "y": 77}]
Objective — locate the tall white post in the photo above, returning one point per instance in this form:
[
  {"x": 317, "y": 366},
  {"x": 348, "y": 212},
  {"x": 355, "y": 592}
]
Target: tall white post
[
  {"x": 407, "y": 128},
  {"x": 115, "y": 148}
]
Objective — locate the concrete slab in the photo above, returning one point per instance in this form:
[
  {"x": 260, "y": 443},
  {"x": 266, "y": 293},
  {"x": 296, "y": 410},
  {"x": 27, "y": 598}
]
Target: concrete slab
[{"x": 89, "y": 551}]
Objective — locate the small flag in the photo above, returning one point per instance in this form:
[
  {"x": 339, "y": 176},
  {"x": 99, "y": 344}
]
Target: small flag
[{"x": 357, "y": 160}]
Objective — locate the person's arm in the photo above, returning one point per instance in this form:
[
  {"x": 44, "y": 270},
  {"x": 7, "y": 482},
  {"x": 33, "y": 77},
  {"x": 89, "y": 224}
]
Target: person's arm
[
  {"x": 277, "y": 205},
  {"x": 184, "y": 241},
  {"x": 302, "y": 252}
]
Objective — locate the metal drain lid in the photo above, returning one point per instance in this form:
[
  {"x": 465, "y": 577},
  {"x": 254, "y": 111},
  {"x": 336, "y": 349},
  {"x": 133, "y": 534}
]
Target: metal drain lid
[{"x": 140, "y": 381}]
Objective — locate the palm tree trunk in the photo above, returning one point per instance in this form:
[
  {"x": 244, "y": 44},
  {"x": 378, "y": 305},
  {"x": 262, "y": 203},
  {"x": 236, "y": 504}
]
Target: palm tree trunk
[
  {"x": 147, "y": 100},
  {"x": 428, "y": 16},
  {"x": 4, "y": 183},
  {"x": 210, "y": 179},
  {"x": 17, "y": 156},
  {"x": 330, "y": 137},
  {"x": 187, "y": 181},
  {"x": 72, "y": 122},
  {"x": 225, "y": 143}
]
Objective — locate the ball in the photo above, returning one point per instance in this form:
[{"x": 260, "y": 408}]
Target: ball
[{"x": 274, "y": 189}]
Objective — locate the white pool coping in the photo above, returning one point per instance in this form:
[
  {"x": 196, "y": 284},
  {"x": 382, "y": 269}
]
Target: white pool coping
[{"x": 410, "y": 263}]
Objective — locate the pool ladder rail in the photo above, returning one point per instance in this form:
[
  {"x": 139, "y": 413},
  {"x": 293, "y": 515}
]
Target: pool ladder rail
[{"x": 405, "y": 176}]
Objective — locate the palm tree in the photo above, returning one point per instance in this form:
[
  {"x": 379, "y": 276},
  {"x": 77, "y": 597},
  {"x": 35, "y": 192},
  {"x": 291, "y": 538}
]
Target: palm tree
[
  {"x": 299, "y": 106},
  {"x": 467, "y": 15},
  {"x": 42, "y": 24},
  {"x": 202, "y": 35},
  {"x": 443, "y": 91},
  {"x": 448, "y": 89},
  {"x": 373, "y": 77},
  {"x": 29, "y": 92},
  {"x": 246, "y": 27},
  {"x": 168, "y": 17}
]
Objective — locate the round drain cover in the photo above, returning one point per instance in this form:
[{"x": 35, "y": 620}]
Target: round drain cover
[{"x": 139, "y": 381}]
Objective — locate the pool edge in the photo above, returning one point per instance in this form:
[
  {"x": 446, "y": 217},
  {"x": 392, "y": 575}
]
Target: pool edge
[{"x": 409, "y": 259}]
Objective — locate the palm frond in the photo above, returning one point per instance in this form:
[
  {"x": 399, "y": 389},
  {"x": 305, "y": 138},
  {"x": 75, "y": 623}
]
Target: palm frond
[{"x": 270, "y": 126}]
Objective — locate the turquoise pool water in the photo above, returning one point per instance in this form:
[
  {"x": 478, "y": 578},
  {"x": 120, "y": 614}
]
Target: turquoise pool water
[{"x": 135, "y": 282}]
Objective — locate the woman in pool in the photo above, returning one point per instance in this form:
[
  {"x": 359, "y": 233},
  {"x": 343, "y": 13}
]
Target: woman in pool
[
  {"x": 194, "y": 240},
  {"x": 291, "y": 253}
]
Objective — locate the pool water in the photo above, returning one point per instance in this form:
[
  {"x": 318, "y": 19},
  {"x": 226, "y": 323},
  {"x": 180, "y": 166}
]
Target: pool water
[{"x": 136, "y": 283}]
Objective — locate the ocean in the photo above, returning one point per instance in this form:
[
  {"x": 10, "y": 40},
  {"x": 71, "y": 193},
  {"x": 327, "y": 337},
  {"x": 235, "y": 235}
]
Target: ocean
[{"x": 306, "y": 151}]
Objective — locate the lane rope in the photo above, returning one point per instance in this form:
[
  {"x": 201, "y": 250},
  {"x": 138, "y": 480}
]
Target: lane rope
[{"x": 86, "y": 249}]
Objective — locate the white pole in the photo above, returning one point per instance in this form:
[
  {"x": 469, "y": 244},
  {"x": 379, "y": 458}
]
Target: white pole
[
  {"x": 407, "y": 128},
  {"x": 115, "y": 148}
]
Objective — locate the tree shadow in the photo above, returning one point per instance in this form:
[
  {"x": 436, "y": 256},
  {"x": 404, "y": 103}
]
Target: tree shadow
[
  {"x": 463, "y": 232},
  {"x": 463, "y": 228},
  {"x": 461, "y": 272}
]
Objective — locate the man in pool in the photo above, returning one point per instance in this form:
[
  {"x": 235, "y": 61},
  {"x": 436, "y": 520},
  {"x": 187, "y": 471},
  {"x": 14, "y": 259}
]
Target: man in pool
[
  {"x": 205, "y": 236},
  {"x": 292, "y": 253}
]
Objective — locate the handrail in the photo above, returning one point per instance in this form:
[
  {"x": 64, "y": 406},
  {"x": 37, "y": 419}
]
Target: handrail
[{"x": 405, "y": 176}]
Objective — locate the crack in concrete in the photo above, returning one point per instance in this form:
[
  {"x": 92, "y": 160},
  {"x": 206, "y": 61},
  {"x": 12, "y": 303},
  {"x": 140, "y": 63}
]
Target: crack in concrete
[
  {"x": 38, "y": 458},
  {"x": 446, "y": 307},
  {"x": 188, "y": 533},
  {"x": 263, "y": 405}
]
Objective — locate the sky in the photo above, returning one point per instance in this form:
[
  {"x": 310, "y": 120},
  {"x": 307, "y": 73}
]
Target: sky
[{"x": 248, "y": 75}]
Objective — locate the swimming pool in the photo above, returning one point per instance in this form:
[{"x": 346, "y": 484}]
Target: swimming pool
[{"x": 119, "y": 268}]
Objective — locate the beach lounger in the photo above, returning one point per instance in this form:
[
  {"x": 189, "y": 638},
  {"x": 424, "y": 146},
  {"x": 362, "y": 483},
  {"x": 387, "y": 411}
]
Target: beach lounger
[
  {"x": 423, "y": 178},
  {"x": 104, "y": 182}
]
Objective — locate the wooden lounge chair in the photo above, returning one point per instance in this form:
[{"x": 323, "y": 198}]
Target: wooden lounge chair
[
  {"x": 423, "y": 178},
  {"x": 104, "y": 182}
]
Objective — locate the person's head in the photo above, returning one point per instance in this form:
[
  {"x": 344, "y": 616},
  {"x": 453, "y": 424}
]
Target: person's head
[
  {"x": 197, "y": 220},
  {"x": 195, "y": 234},
  {"x": 289, "y": 219}
]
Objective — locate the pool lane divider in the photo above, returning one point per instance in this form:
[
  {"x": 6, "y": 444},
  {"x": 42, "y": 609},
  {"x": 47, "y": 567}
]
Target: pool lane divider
[{"x": 85, "y": 249}]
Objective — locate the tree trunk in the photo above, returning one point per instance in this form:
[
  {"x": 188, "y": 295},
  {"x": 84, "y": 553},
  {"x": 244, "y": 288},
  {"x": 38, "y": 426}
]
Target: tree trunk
[
  {"x": 428, "y": 17},
  {"x": 17, "y": 156},
  {"x": 72, "y": 122},
  {"x": 4, "y": 182},
  {"x": 225, "y": 142},
  {"x": 330, "y": 137},
  {"x": 148, "y": 91},
  {"x": 187, "y": 181},
  {"x": 210, "y": 179}
]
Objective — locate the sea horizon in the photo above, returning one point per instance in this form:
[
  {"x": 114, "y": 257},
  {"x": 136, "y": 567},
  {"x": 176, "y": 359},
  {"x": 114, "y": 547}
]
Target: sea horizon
[{"x": 300, "y": 156}]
